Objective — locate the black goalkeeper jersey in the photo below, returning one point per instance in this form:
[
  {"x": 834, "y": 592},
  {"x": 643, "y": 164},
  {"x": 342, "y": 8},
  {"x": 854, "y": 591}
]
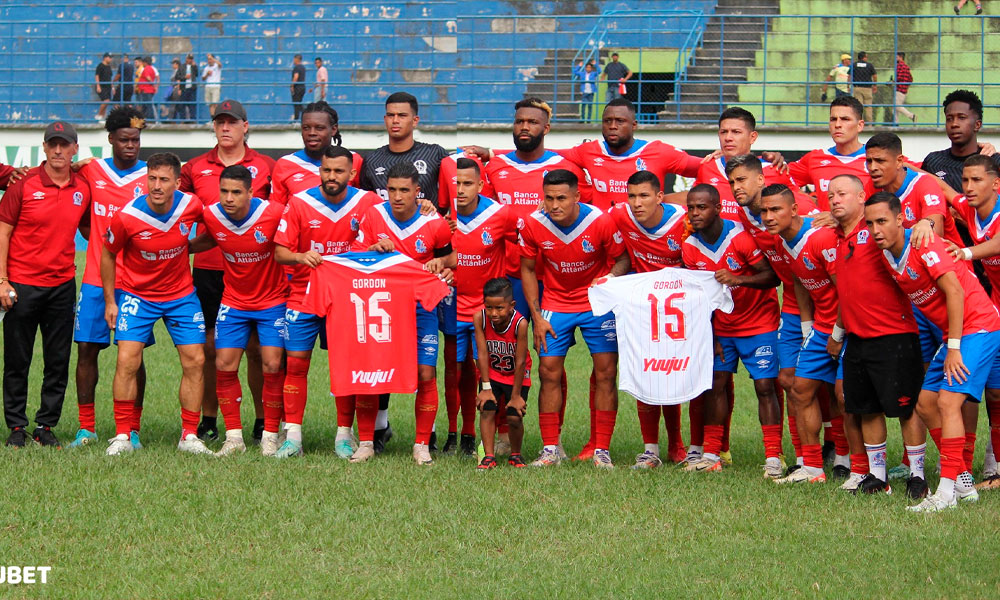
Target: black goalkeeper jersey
[{"x": 426, "y": 158}]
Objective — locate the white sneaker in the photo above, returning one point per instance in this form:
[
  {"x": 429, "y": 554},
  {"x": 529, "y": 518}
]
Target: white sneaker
[
  {"x": 804, "y": 475},
  {"x": 548, "y": 458},
  {"x": 269, "y": 443},
  {"x": 933, "y": 503},
  {"x": 853, "y": 482},
  {"x": 193, "y": 445},
  {"x": 120, "y": 444},
  {"x": 692, "y": 457},
  {"x": 647, "y": 460},
  {"x": 773, "y": 469},
  {"x": 364, "y": 453},
  {"x": 232, "y": 446},
  {"x": 421, "y": 454},
  {"x": 965, "y": 487},
  {"x": 602, "y": 459}
]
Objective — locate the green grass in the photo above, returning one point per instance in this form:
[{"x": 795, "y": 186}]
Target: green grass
[{"x": 158, "y": 524}]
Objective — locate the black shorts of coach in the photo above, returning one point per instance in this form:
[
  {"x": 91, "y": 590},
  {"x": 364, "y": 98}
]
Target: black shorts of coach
[
  {"x": 882, "y": 374},
  {"x": 208, "y": 286}
]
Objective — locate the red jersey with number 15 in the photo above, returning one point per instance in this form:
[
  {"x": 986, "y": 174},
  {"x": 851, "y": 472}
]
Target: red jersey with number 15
[
  {"x": 110, "y": 190},
  {"x": 480, "y": 241},
  {"x": 418, "y": 237},
  {"x": 651, "y": 249},
  {"x": 812, "y": 257}
]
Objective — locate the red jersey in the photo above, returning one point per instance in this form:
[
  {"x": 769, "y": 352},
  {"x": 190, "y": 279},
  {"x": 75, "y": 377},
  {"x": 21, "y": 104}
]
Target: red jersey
[
  {"x": 312, "y": 223},
  {"x": 818, "y": 167},
  {"x": 756, "y": 311},
  {"x": 154, "y": 247},
  {"x": 574, "y": 256},
  {"x": 419, "y": 237},
  {"x": 200, "y": 176},
  {"x": 298, "y": 172},
  {"x": 921, "y": 197},
  {"x": 110, "y": 190},
  {"x": 519, "y": 185},
  {"x": 502, "y": 346},
  {"x": 812, "y": 257},
  {"x": 982, "y": 231},
  {"x": 916, "y": 272},
  {"x": 609, "y": 172},
  {"x": 45, "y": 218},
  {"x": 447, "y": 186},
  {"x": 651, "y": 249},
  {"x": 370, "y": 304},
  {"x": 714, "y": 173},
  {"x": 253, "y": 280},
  {"x": 480, "y": 241}
]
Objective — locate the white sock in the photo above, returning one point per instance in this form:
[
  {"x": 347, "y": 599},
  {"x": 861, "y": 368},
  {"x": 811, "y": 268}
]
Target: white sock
[
  {"x": 844, "y": 460},
  {"x": 654, "y": 448},
  {"x": 293, "y": 431},
  {"x": 382, "y": 419},
  {"x": 369, "y": 444},
  {"x": 549, "y": 447},
  {"x": 343, "y": 433},
  {"x": 695, "y": 449},
  {"x": 876, "y": 460},
  {"x": 946, "y": 488},
  {"x": 916, "y": 455},
  {"x": 812, "y": 470},
  {"x": 269, "y": 435},
  {"x": 710, "y": 456},
  {"x": 234, "y": 434}
]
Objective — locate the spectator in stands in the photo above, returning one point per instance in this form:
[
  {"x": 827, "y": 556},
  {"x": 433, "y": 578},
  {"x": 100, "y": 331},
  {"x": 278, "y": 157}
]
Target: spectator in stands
[
  {"x": 103, "y": 77},
  {"x": 125, "y": 77},
  {"x": 145, "y": 86},
  {"x": 840, "y": 74},
  {"x": 864, "y": 77},
  {"x": 319, "y": 89},
  {"x": 902, "y": 85},
  {"x": 172, "y": 110},
  {"x": 961, "y": 3},
  {"x": 189, "y": 90},
  {"x": 617, "y": 74},
  {"x": 587, "y": 74},
  {"x": 298, "y": 86},
  {"x": 212, "y": 76}
]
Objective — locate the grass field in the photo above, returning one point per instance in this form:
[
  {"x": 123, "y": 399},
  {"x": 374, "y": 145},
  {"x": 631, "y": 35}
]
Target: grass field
[{"x": 158, "y": 524}]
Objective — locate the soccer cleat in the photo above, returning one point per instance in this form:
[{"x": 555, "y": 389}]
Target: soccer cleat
[
  {"x": 232, "y": 446},
  {"x": 433, "y": 445},
  {"x": 726, "y": 458},
  {"x": 933, "y": 503},
  {"x": 364, "y": 453},
  {"x": 191, "y": 444},
  {"x": 133, "y": 437},
  {"x": 467, "y": 445},
  {"x": 207, "y": 433},
  {"x": 792, "y": 468},
  {"x": 83, "y": 438},
  {"x": 899, "y": 472},
  {"x": 705, "y": 465},
  {"x": 43, "y": 436},
  {"x": 853, "y": 482},
  {"x": 488, "y": 462},
  {"x": 289, "y": 449},
  {"x": 345, "y": 447},
  {"x": 382, "y": 437},
  {"x": 501, "y": 448},
  {"x": 586, "y": 453},
  {"x": 549, "y": 457},
  {"x": 989, "y": 483},
  {"x": 450, "y": 444},
  {"x": 916, "y": 487},
  {"x": 269, "y": 443},
  {"x": 258, "y": 432},
  {"x": 516, "y": 460},
  {"x": 873, "y": 485},
  {"x": 692, "y": 456},
  {"x": 965, "y": 487},
  {"x": 120, "y": 444},
  {"x": 647, "y": 460},
  {"x": 602, "y": 459},
  {"x": 841, "y": 472},
  {"x": 803, "y": 475},
  {"x": 422, "y": 454},
  {"x": 773, "y": 469},
  {"x": 677, "y": 455}
]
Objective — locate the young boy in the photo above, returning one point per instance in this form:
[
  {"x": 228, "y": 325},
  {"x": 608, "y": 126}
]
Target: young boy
[{"x": 504, "y": 366}]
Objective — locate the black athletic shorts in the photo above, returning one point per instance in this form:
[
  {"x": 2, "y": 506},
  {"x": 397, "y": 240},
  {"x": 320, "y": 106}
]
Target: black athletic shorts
[
  {"x": 208, "y": 285},
  {"x": 504, "y": 392},
  {"x": 882, "y": 374},
  {"x": 105, "y": 93}
]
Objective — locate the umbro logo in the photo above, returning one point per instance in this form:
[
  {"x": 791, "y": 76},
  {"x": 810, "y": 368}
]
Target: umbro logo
[
  {"x": 206, "y": 172},
  {"x": 221, "y": 235},
  {"x": 823, "y": 163},
  {"x": 38, "y": 195},
  {"x": 315, "y": 223},
  {"x": 298, "y": 177},
  {"x": 145, "y": 235}
]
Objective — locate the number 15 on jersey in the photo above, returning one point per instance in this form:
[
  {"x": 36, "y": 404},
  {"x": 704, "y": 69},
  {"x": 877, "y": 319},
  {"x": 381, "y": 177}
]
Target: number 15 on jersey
[
  {"x": 371, "y": 319},
  {"x": 673, "y": 317}
]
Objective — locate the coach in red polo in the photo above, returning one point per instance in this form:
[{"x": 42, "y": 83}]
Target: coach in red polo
[{"x": 39, "y": 216}]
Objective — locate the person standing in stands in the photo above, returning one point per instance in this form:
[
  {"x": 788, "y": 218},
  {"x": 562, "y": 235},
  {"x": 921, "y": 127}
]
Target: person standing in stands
[
  {"x": 298, "y": 86},
  {"x": 102, "y": 84},
  {"x": 616, "y": 73},
  {"x": 903, "y": 80},
  {"x": 864, "y": 77}
]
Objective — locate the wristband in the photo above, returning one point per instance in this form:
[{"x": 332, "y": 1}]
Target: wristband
[
  {"x": 954, "y": 344},
  {"x": 806, "y": 328},
  {"x": 486, "y": 385},
  {"x": 967, "y": 253},
  {"x": 838, "y": 334}
]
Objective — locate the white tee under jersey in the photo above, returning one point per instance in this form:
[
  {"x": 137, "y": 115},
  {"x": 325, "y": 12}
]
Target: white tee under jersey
[{"x": 664, "y": 323}]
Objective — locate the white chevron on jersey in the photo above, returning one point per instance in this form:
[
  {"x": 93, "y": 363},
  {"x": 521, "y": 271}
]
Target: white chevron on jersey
[
  {"x": 590, "y": 214},
  {"x": 662, "y": 230}
]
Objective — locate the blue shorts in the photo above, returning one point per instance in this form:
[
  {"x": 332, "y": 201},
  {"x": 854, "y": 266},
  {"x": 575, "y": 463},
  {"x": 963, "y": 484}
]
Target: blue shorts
[
  {"x": 840, "y": 362},
  {"x": 232, "y": 327},
  {"x": 183, "y": 318},
  {"x": 598, "y": 331},
  {"x": 756, "y": 352},
  {"x": 979, "y": 353},
  {"x": 814, "y": 362},
  {"x": 447, "y": 313},
  {"x": 930, "y": 336},
  {"x": 301, "y": 330},
  {"x": 520, "y": 303},
  {"x": 427, "y": 337},
  {"x": 789, "y": 340},
  {"x": 466, "y": 341},
  {"x": 89, "y": 325}
]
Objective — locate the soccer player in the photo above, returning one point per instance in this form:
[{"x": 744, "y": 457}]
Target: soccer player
[
  {"x": 880, "y": 362},
  {"x": 505, "y": 368},
  {"x": 949, "y": 296},
  {"x": 483, "y": 230},
  {"x": 847, "y": 155},
  {"x": 579, "y": 244},
  {"x": 151, "y": 233},
  {"x": 963, "y": 118},
  {"x": 398, "y": 225},
  {"x": 114, "y": 182},
  {"x": 243, "y": 227},
  {"x": 448, "y": 184},
  {"x": 317, "y": 222},
  {"x": 299, "y": 171},
  {"x": 749, "y": 333},
  {"x": 200, "y": 176},
  {"x": 653, "y": 232}
]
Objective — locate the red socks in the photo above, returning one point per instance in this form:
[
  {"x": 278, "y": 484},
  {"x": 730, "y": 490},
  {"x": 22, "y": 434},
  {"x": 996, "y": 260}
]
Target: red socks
[
  {"x": 87, "y": 419},
  {"x": 649, "y": 422},
  {"x": 367, "y": 409},
  {"x": 772, "y": 440},
  {"x": 936, "y": 436},
  {"x": 605, "y": 427},
  {"x": 969, "y": 451},
  {"x": 136, "y": 417},
  {"x": 713, "y": 439},
  {"x": 839, "y": 436},
  {"x": 468, "y": 386},
  {"x": 548, "y": 425},
  {"x": 425, "y": 409},
  {"x": 274, "y": 404},
  {"x": 859, "y": 463},
  {"x": 189, "y": 422},
  {"x": 123, "y": 416},
  {"x": 812, "y": 455},
  {"x": 230, "y": 394},
  {"x": 672, "y": 421},
  {"x": 952, "y": 461},
  {"x": 696, "y": 417},
  {"x": 345, "y": 411},
  {"x": 296, "y": 389}
]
